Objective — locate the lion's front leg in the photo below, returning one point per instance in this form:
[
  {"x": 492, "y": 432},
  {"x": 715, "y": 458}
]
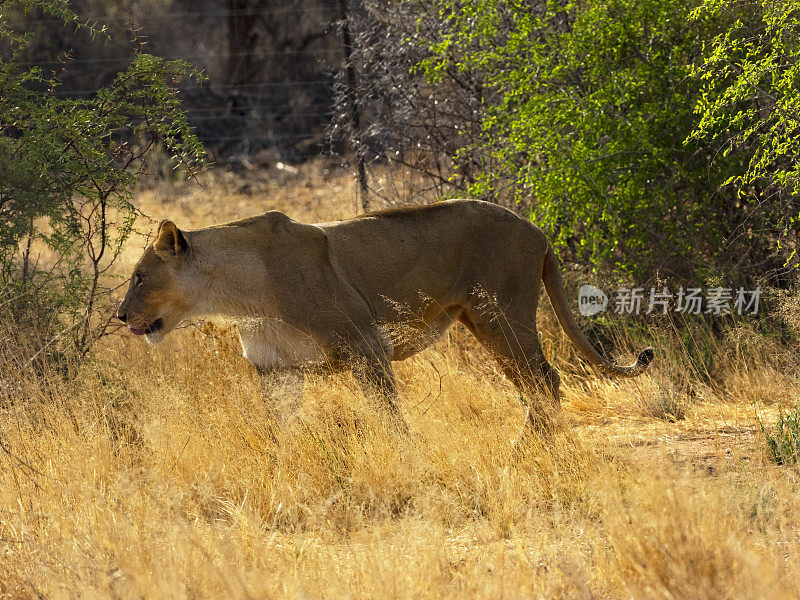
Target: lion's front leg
[
  {"x": 282, "y": 389},
  {"x": 280, "y": 353}
]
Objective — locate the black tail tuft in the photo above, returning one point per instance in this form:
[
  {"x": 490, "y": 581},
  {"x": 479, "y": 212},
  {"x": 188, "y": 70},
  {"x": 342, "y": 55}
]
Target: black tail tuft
[{"x": 645, "y": 357}]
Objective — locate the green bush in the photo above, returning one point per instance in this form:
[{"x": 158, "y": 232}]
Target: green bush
[
  {"x": 750, "y": 104},
  {"x": 601, "y": 117},
  {"x": 67, "y": 167}
]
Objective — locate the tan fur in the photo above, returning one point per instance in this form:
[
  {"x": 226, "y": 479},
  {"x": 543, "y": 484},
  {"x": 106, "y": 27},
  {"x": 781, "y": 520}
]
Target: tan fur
[{"x": 362, "y": 292}]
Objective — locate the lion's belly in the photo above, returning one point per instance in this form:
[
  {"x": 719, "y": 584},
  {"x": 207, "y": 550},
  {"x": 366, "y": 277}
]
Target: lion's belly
[
  {"x": 272, "y": 344},
  {"x": 407, "y": 339}
]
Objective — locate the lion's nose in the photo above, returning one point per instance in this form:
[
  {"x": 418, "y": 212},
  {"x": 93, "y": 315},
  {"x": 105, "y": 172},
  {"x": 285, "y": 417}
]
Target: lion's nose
[{"x": 121, "y": 315}]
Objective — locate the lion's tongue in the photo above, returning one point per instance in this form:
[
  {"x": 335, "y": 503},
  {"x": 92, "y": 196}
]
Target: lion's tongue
[{"x": 136, "y": 331}]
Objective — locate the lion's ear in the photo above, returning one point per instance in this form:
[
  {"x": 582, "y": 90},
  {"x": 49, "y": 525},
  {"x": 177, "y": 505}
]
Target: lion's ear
[{"x": 170, "y": 242}]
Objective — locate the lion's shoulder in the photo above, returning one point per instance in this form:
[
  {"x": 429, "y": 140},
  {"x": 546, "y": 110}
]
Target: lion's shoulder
[{"x": 267, "y": 220}]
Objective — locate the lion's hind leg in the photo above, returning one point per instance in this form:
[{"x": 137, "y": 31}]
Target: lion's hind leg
[
  {"x": 539, "y": 383},
  {"x": 515, "y": 345}
]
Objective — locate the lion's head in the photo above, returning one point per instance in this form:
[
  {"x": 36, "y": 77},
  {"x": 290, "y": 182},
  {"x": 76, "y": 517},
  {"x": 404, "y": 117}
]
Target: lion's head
[{"x": 158, "y": 297}]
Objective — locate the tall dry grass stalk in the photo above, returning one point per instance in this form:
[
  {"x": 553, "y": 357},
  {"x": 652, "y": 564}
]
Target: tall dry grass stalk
[{"x": 164, "y": 473}]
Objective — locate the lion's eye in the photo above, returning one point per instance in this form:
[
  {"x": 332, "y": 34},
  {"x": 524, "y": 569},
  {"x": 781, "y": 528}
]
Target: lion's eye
[{"x": 137, "y": 279}]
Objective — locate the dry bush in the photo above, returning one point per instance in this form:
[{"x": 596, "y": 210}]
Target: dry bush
[{"x": 666, "y": 402}]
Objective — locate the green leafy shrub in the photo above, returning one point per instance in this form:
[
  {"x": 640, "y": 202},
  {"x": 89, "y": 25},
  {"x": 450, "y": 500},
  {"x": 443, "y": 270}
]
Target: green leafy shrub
[
  {"x": 606, "y": 121},
  {"x": 750, "y": 104},
  {"x": 67, "y": 168},
  {"x": 594, "y": 102}
]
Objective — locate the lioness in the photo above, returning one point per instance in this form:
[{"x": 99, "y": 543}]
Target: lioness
[{"x": 362, "y": 292}]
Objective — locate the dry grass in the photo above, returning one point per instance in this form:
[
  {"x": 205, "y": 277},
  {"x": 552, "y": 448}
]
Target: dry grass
[{"x": 160, "y": 472}]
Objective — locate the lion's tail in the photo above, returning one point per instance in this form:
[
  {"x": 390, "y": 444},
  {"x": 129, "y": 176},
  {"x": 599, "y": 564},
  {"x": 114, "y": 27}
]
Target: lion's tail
[{"x": 554, "y": 284}]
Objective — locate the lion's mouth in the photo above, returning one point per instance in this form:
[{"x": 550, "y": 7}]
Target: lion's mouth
[{"x": 152, "y": 328}]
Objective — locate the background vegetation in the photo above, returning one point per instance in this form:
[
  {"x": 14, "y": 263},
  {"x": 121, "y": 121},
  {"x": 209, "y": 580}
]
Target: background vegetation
[
  {"x": 641, "y": 136},
  {"x": 661, "y": 130}
]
